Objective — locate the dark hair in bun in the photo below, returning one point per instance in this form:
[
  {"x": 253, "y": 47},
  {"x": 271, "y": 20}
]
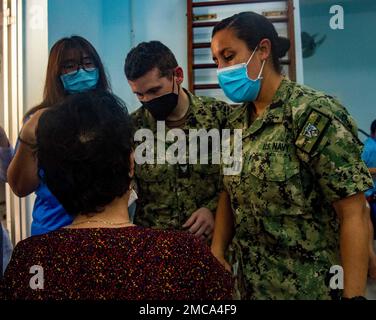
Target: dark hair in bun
[
  {"x": 283, "y": 46},
  {"x": 252, "y": 28}
]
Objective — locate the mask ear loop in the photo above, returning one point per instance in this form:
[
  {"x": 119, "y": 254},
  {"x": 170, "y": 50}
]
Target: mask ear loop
[
  {"x": 261, "y": 71},
  {"x": 262, "y": 67},
  {"x": 249, "y": 60}
]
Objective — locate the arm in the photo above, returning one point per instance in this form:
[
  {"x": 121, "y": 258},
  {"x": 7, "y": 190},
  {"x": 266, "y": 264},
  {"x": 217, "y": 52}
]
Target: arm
[
  {"x": 352, "y": 213},
  {"x": 367, "y": 156},
  {"x": 372, "y": 171},
  {"x": 334, "y": 156},
  {"x": 371, "y": 247},
  {"x": 223, "y": 229},
  {"x": 23, "y": 170},
  {"x": 201, "y": 222}
]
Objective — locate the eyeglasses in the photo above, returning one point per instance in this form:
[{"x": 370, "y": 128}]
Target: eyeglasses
[{"x": 73, "y": 67}]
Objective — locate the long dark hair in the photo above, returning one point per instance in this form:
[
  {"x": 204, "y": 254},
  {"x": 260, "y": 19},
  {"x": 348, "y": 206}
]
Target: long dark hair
[
  {"x": 252, "y": 28},
  {"x": 54, "y": 92}
]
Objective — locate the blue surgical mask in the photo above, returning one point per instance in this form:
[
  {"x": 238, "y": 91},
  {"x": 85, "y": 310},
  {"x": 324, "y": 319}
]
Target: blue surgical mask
[
  {"x": 236, "y": 84},
  {"x": 81, "y": 80}
]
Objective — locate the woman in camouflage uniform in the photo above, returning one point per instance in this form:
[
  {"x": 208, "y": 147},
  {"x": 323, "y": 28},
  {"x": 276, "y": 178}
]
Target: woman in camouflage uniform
[{"x": 298, "y": 204}]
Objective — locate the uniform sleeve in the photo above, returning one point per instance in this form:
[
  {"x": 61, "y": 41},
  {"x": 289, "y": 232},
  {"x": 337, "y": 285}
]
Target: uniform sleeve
[
  {"x": 212, "y": 204},
  {"x": 334, "y": 151},
  {"x": 215, "y": 177}
]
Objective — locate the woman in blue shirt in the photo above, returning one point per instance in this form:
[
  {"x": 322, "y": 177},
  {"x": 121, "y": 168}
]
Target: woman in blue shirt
[
  {"x": 74, "y": 66},
  {"x": 369, "y": 157}
]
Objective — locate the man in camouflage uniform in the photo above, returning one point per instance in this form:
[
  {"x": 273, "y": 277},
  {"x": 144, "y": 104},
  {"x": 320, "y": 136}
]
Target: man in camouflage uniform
[
  {"x": 178, "y": 196},
  {"x": 301, "y": 156}
]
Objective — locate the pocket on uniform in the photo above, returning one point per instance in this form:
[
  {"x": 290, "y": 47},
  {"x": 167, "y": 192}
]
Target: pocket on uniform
[
  {"x": 273, "y": 166},
  {"x": 275, "y": 179}
]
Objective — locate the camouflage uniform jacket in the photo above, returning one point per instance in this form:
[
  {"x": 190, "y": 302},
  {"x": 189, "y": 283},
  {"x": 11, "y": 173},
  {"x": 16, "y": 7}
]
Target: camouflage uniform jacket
[
  {"x": 299, "y": 157},
  {"x": 170, "y": 194}
]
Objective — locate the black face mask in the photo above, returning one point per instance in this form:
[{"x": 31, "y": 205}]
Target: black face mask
[{"x": 161, "y": 107}]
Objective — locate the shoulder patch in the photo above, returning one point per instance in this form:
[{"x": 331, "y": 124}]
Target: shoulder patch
[{"x": 313, "y": 131}]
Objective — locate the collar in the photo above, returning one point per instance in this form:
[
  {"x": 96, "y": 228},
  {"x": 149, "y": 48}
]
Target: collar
[{"x": 274, "y": 113}]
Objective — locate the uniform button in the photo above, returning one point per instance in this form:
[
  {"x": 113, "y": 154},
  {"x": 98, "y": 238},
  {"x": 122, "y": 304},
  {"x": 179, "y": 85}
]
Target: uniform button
[{"x": 356, "y": 178}]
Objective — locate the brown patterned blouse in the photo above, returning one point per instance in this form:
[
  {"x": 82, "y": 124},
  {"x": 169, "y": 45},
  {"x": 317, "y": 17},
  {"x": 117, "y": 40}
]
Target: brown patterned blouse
[{"x": 116, "y": 264}]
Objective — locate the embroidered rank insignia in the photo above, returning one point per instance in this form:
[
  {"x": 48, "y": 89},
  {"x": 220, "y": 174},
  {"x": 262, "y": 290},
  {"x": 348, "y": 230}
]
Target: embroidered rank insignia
[{"x": 313, "y": 131}]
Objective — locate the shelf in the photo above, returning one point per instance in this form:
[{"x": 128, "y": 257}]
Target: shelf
[
  {"x": 226, "y": 2},
  {"x": 205, "y": 66},
  {"x": 203, "y": 45},
  {"x": 206, "y": 86},
  {"x": 214, "y": 23}
]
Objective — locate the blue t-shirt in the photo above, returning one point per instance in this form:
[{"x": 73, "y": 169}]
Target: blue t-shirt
[
  {"x": 48, "y": 214},
  {"x": 369, "y": 157}
]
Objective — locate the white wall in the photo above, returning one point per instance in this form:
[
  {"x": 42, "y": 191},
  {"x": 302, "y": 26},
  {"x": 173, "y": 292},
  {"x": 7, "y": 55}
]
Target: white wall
[
  {"x": 344, "y": 65},
  {"x": 163, "y": 20},
  {"x": 116, "y": 43},
  {"x": 75, "y": 17},
  {"x": 298, "y": 43},
  {"x": 35, "y": 51},
  {"x": 106, "y": 24}
]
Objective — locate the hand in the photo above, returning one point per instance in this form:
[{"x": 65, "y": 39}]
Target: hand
[
  {"x": 28, "y": 131},
  {"x": 201, "y": 224},
  {"x": 4, "y": 142}
]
